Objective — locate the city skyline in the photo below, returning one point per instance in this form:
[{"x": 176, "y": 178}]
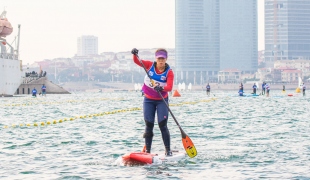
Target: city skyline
[
  {"x": 205, "y": 46},
  {"x": 49, "y": 29},
  {"x": 87, "y": 45},
  {"x": 287, "y": 31}
]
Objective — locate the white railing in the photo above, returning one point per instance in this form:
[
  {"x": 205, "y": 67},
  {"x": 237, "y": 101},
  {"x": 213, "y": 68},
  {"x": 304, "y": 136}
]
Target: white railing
[{"x": 8, "y": 56}]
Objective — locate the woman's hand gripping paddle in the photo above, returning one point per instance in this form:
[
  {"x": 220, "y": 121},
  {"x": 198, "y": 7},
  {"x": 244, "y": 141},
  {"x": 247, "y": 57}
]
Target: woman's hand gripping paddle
[{"x": 187, "y": 142}]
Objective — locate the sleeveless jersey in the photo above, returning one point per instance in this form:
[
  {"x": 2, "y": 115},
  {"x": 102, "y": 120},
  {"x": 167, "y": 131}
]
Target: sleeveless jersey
[{"x": 158, "y": 79}]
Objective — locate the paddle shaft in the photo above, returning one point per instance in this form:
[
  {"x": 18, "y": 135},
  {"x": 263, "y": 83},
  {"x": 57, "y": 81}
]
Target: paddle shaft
[{"x": 175, "y": 120}]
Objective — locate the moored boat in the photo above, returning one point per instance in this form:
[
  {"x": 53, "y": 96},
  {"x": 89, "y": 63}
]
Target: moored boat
[
  {"x": 5, "y": 26},
  {"x": 10, "y": 65}
]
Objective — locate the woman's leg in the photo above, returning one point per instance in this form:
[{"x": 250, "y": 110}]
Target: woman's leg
[
  {"x": 162, "y": 116},
  {"x": 149, "y": 108}
]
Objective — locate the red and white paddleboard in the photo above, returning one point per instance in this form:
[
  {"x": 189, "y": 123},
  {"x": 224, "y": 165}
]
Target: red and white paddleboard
[{"x": 148, "y": 158}]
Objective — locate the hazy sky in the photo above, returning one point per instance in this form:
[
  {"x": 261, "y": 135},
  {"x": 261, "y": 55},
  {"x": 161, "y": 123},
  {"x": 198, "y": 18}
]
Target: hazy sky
[{"x": 50, "y": 28}]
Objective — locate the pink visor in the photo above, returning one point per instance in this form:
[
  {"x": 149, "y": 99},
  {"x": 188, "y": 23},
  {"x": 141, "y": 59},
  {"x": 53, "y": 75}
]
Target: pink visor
[{"x": 161, "y": 54}]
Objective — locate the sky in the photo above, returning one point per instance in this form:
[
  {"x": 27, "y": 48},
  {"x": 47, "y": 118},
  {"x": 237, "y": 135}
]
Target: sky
[{"x": 50, "y": 28}]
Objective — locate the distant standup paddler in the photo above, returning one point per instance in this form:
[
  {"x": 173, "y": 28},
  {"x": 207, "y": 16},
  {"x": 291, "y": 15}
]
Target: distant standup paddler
[
  {"x": 43, "y": 89},
  {"x": 163, "y": 78},
  {"x": 254, "y": 88},
  {"x": 263, "y": 88},
  {"x": 34, "y": 92},
  {"x": 303, "y": 89},
  {"x": 267, "y": 87},
  {"x": 240, "y": 90},
  {"x": 208, "y": 88}
]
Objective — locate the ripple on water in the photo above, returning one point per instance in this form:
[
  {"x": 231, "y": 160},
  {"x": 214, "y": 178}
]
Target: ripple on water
[{"x": 236, "y": 138}]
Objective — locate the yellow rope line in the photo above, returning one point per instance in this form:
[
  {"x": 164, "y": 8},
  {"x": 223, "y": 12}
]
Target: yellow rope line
[
  {"x": 36, "y": 124},
  {"x": 46, "y": 123}
]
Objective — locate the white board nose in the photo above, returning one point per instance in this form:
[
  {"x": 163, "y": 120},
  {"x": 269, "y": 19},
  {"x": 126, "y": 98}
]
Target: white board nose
[{"x": 156, "y": 160}]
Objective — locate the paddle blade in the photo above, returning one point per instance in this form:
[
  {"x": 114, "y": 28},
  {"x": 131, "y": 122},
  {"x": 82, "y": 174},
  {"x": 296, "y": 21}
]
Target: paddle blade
[{"x": 189, "y": 147}]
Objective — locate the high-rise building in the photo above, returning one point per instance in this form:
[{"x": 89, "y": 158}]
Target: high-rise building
[
  {"x": 213, "y": 35},
  {"x": 287, "y": 30},
  {"x": 87, "y": 45}
]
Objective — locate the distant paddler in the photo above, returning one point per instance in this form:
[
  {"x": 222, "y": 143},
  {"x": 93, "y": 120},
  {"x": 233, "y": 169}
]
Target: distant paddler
[
  {"x": 34, "y": 92},
  {"x": 303, "y": 89},
  {"x": 283, "y": 90},
  {"x": 267, "y": 89},
  {"x": 208, "y": 89},
  {"x": 254, "y": 88},
  {"x": 43, "y": 89},
  {"x": 263, "y": 88},
  {"x": 240, "y": 90}
]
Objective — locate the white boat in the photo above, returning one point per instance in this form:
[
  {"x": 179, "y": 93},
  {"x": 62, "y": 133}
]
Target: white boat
[
  {"x": 183, "y": 86},
  {"x": 189, "y": 86},
  {"x": 10, "y": 66},
  {"x": 300, "y": 85}
]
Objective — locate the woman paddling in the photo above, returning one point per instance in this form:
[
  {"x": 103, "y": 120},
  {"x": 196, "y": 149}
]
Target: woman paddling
[{"x": 162, "y": 77}]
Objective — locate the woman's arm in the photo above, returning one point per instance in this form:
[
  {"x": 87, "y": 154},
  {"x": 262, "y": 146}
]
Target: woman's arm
[
  {"x": 170, "y": 79},
  {"x": 147, "y": 64}
]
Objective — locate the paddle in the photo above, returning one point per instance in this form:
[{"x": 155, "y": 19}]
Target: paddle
[{"x": 187, "y": 142}]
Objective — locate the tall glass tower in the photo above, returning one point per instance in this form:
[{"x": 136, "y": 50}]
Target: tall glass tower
[
  {"x": 87, "y": 45},
  {"x": 287, "y": 30},
  {"x": 213, "y": 35}
]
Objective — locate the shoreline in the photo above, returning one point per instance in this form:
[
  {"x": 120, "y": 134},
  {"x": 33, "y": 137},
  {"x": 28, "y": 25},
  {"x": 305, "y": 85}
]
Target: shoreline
[{"x": 117, "y": 87}]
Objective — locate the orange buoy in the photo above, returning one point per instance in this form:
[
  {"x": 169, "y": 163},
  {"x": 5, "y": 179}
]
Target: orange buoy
[
  {"x": 290, "y": 94},
  {"x": 176, "y": 93}
]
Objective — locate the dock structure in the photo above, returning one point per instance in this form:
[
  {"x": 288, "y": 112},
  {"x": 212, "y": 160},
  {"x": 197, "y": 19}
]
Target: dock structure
[{"x": 28, "y": 84}]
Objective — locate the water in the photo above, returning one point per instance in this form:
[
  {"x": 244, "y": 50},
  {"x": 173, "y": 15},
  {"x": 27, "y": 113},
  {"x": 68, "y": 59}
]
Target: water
[{"x": 236, "y": 137}]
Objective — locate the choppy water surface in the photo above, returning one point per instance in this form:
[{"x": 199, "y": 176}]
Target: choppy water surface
[{"x": 236, "y": 137}]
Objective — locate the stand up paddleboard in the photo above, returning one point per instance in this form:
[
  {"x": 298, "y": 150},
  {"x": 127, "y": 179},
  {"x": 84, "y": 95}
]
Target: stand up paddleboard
[{"x": 149, "y": 158}]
